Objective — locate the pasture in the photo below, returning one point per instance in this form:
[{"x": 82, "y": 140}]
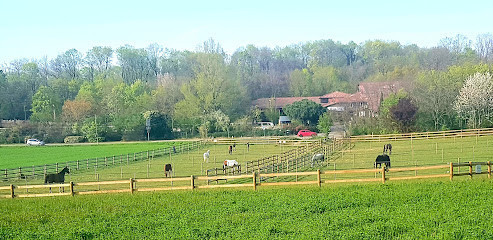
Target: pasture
[
  {"x": 419, "y": 152},
  {"x": 184, "y": 164},
  {"x": 425, "y": 209},
  {"x": 24, "y": 156},
  {"x": 361, "y": 155}
]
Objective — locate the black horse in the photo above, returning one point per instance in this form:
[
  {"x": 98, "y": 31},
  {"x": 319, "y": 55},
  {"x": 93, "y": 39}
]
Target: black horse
[
  {"x": 385, "y": 159},
  {"x": 387, "y": 148},
  {"x": 56, "y": 177},
  {"x": 168, "y": 170}
]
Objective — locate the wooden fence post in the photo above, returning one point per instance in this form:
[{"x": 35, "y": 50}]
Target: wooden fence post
[
  {"x": 470, "y": 169},
  {"x": 254, "y": 180},
  {"x": 318, "y": 178},
  {"x": 72, "y": 188},
  {"x": 131, "y": 185},
  {"x": 12, "y": 194},
  {"x": 489, "y": 169},
  {"x": 383, "y": 173},
  {"x": 451, "y": 171},
  {"x": 192, "y": 181}
]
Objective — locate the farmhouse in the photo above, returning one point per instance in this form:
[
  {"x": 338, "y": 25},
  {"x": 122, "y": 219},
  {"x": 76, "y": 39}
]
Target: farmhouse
[{"x": 364, "y": 103}]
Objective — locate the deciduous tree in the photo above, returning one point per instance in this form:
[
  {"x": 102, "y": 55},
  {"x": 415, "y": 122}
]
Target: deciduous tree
[
  {"x": 308, "y": 112},
  {"x": 475, "y": 100}
]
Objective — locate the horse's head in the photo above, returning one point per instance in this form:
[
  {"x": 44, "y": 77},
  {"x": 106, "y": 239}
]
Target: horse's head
[{"x": 65, "y": 170}]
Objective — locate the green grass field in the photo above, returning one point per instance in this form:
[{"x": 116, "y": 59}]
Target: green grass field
[
  {"x": 399, "y": 210},
  {"x": 184, "y": 164},
  {"x": 420, "y": 152},
  {"x": 24, "y": 156},
  {"x": 416, "y": 209},
  {"x": 362, "y": 155}
]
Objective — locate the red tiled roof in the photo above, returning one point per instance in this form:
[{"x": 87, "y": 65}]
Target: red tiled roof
[
  {"x": 336, "y": 95},
  {"x": 374, "y": 91},
  {"x": 350, "y": 98}
]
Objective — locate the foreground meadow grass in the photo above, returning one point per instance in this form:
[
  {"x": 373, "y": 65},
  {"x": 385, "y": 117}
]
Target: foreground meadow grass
[{"x": 404, "y": 210}]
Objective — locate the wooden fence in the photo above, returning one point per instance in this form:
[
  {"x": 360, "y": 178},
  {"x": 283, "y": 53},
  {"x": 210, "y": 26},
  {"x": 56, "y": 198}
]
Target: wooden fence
[
  {"x": 425, "y": 135},
  {"x": 295, "y": 158},
  {"x": 253, "y": 180},
  {"x": 286, "y": 161},
  {"x": 92, "y": 163}
]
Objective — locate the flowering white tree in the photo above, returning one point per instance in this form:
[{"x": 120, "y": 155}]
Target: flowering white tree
[{"x": 475, "y": 100}]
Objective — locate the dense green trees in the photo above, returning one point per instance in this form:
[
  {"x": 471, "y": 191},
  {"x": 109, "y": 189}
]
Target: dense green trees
[
  {"x": 210, "y": 91},
  {"x": 306, "y": 111}
]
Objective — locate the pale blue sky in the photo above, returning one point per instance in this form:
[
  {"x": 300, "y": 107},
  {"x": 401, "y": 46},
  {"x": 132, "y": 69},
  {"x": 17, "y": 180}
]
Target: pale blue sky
[{"x": 36, "y": 28}]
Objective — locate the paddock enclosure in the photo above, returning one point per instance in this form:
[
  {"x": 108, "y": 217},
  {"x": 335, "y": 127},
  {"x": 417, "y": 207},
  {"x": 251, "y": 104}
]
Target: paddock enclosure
[{"x": 275, "y": 161}]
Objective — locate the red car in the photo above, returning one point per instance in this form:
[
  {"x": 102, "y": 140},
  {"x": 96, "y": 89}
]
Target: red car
[{"x": 306, "y": 133}]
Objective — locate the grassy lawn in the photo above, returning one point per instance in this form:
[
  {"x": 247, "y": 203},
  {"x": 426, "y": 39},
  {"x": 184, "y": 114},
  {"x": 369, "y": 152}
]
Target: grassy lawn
[
  {"x": 21, "y": 156},
  {"x": 413, "y": 209},
  {"x": 403, "y": 210},
  {"x": 184, "y": 164},
  {"x": 362, "y": 155},
  {"x": 420, "y": 152}
]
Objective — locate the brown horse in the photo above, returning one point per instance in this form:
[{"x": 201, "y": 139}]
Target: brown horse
[{"x": 57, "y": 177}]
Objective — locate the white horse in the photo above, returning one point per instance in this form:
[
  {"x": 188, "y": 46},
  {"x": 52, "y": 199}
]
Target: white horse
[
  {"x": 206, "y": 156},
  {"x": 230, "y": 163},
  {"x": 318, "y": 157}
]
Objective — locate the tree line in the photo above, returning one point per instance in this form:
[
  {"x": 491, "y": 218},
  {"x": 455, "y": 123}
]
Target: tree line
[{"x": 206, "y": 91}]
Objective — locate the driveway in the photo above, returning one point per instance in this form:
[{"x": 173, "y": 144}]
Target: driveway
[{"x": 337, "y": 131}]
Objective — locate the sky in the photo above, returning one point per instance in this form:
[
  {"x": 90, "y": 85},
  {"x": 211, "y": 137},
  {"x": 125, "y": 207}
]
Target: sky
[{"x": 34, "y": 29}]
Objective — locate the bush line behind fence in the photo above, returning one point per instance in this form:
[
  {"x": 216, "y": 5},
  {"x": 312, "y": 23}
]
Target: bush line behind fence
[{"x": 95, "y": 163}]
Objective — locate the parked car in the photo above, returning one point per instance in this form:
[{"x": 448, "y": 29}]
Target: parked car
[
  {"x": 265, "y": 125},
  {"x": 35, "y": 142},
  {"x": 306, "y": 133}
]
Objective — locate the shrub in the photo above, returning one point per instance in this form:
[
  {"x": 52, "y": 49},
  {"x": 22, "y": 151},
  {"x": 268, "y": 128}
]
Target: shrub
[{"x": 74, "y": 139}]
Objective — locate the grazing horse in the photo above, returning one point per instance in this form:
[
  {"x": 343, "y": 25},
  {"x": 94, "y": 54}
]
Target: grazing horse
[
  {"x": 318, "y": 157},
  {"x": 167, "y": 169},
  {"x": 382, "y": 159},
  {"x": 230, "y": 163},
  {"x": 56, "y": 177},
  {"x": 387, "y": 148},
  {"x": 206, "y": 156}
]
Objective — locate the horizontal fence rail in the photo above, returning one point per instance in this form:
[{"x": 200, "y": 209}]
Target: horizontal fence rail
[
  {"x": 252, "y": 180},
  {"x": 425, "y": 135}
]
